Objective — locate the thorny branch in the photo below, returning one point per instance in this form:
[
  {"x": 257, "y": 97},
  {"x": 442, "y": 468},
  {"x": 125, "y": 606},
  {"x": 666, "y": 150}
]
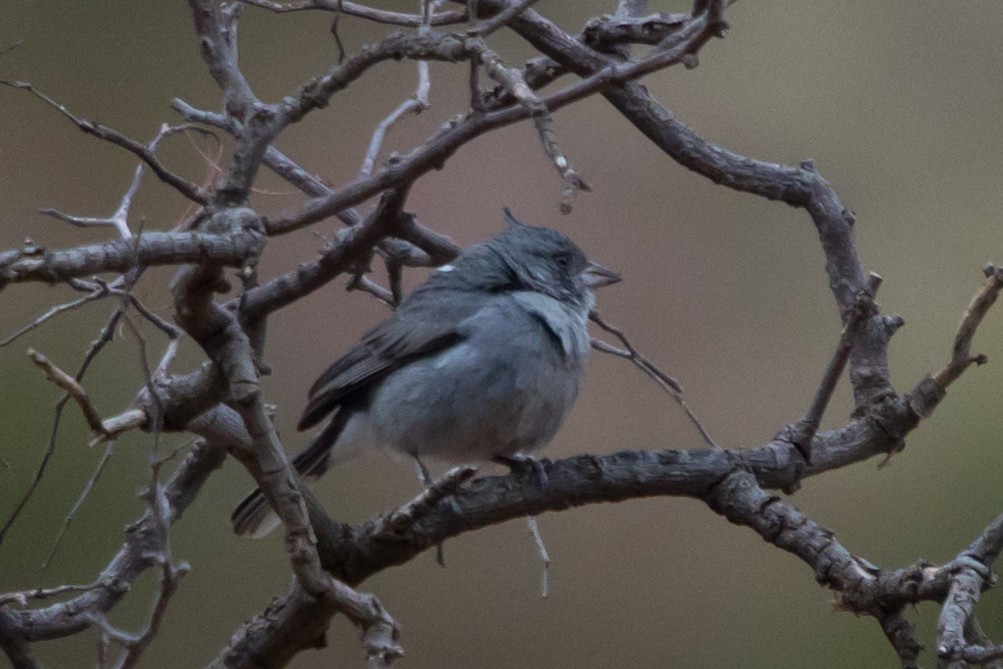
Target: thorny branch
[{"x": 223, "y": 402}]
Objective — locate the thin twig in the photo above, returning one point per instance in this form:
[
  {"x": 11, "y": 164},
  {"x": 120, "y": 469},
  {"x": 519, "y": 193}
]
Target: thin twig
[
  {"x": 499, "y": 20},
  {"x": 961, "y": 357},
  {"x": 98, "y": 294},
  {"x": 72, "y": 388},
  {"x": 96, "y": 346},
  {"x": 397, "y": 522},
  {"x": 541, "y": 549},
  {"x": 120, "y": 218},
  {"x": 186, "y": 188},
  {"x": 413, "y": 105},
  {"x": 22, "y": 597},
  {"x": 362, "y": 11},
  {"x": 335, "y": 22},
  {"x": 666, "y": 382},
  {"x": 88, "y": 486},
  {"x": 363, "y": 283},
  {"x": 858, "y": 316},
  {"x": 512, "y": 81}
]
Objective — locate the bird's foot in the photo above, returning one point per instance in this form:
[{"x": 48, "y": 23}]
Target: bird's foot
[{"x": 524, "y": 464}]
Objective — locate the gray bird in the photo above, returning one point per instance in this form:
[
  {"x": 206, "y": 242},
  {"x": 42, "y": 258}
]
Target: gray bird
[{"x": 481, "y": 362}]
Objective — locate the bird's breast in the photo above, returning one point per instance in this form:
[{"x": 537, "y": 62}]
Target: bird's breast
[{"x": 505, "y": 387}]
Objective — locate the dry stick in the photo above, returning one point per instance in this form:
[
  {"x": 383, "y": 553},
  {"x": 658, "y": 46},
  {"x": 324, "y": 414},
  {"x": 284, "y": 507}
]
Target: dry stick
[
  {"x": 136, "y": 418},
  {"x": 981, "y": 649},
  {"x": 631, "y": 9},
  {"x": 336, "y": 33},
  {"x": 447, "y": 141},
  {"x": 363, "y": 12},
  {"x": 88, "y": 486},
  {"x": 500, "y": 19},
  {"x": 667, "y": 383},
  {"x": 961, "y": 357},
  {"x": 863, "y": 309},
  {"x": 229, "y": 347},
  {"x": 395, "y": 277},
  {"x": 21, "y": 597},
  {"x": 98, "y": 294},
  {"x": 511, "y": 80},
  {"x": 364, "y": 284},
  {"x": 160, "y": 512},
  {"x": 972, "y": 571},
  {"x": 186, "y": 188},
  {"x": 136, "y": 644},
  {"x": 170, "y": 575},
  {"x": 541, "y": 548},
  {"x": 120, "y": 218},
  {"x": 96, "y": 346},
  {"x": 400, "y": 520},
  {"x": 72, "y": 388},
  {"x": 413, "y": 105},
  {"x": 123, "y": 422}
]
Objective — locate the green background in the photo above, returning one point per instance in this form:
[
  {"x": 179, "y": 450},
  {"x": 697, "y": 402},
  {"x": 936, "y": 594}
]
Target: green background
[{"x": 899, "y": 103}]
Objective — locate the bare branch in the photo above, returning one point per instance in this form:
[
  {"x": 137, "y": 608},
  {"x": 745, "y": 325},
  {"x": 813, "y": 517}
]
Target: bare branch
[
  {"x": 24, "y": 596},
  {"x": 500, "y": 19},
  {"x": 88, "y": 486},
  {"x": 666, "y": 382},
  {"x": 33, "y": 263},
  {"x": 961, "y": 357},
  {"x": 436, "y": 150},
  {"x": 99, "y": 293},
  {"x": 189, "y": 190},
  {"x": 802, "y": 433},
  {"x": 134, "y": 557},
  {"x": 400, "y": 520},
  {"x": 512, "y": 81},
  {"x": 72, "y": 388},
  {"x": 363, "y": 11},
  {"x": 366, "y": 285},
  {"x": 413, "y": 105}
]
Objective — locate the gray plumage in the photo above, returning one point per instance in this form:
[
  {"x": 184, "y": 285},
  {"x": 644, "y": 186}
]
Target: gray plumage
[{"x": 483, "y": 360}]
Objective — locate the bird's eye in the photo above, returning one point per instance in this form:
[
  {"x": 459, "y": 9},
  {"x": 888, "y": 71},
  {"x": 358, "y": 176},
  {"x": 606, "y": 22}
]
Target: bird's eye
[{"x": 562, "y": 259}]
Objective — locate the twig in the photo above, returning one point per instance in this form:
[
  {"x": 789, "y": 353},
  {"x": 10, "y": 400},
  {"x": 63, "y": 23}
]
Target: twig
[
  {"x": 512, "y": 81},
  {"x": 335, "y": 22},
  {"x": 404, "y": 517},
  {"x": 362, "y": 11},
  {"x": 436, "y": 150},
  {"x": 120, "y": 218},
  {"x": 96, "y": 346},
  {"x": 961, "y": 357},
  {"x": 804, "y": 431},
  {"x": 363, "y": 283},
  {"x": 22, "y": 597},
  {"x": 123, "y": 422},
  {"x": 666, "y": 382},
  {"x": 499, "y": 20},
  {"x": 72, "y": 388},
  {"x": 541, "y": 549},
  {"x": 415, "y": 104},
  {"x": 186, "y": 188},
  {"x": 99, "y": 293},
  {"x": 88, "y": 486}
]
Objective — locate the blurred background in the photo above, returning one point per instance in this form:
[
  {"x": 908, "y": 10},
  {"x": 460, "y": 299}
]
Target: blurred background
[{"x": 899, "y": 103}]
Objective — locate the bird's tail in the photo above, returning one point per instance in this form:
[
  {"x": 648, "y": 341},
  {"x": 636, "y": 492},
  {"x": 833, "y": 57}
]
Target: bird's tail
[{"x": 254, "y": 517}]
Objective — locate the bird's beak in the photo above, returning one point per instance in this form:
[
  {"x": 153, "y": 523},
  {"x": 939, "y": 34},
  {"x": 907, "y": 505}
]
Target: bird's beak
[{"x": 596, "y": 276}]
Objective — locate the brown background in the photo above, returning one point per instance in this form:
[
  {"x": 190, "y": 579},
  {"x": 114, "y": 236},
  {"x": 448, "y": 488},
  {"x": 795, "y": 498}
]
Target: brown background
[{"x": 898, "y": 102}]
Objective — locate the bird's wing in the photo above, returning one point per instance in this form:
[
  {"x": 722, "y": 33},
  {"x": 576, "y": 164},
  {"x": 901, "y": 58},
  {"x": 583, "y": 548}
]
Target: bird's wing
[{"x": 421, "y": 327}]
